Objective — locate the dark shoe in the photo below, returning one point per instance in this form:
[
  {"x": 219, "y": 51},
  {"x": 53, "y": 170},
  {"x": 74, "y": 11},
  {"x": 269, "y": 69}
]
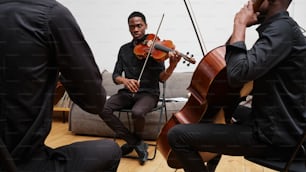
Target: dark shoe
[
  {"x": 142, "y": 152},
  {"x": 212, "y": 164},
  {"x": 126, "y": 149}
]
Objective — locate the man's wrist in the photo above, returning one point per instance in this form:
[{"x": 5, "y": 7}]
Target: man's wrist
[{"x": 168, "y": 71}]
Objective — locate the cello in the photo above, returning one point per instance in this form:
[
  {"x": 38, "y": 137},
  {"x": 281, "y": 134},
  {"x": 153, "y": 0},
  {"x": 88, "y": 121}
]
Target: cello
[{"x": 211, "y": 100}]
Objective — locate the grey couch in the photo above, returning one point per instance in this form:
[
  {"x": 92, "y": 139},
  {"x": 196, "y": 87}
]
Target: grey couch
[{"x": 84, "y": 123}]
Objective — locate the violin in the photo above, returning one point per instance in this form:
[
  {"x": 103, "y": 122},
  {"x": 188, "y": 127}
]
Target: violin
[{"x": 160, "y": 50}]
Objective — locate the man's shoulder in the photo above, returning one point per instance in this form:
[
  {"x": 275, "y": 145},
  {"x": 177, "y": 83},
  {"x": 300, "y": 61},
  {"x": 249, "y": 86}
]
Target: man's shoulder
[
  {"x": 128, "y": 44},
  {"x": 126, "y": 47},
  {"x": 40, "y": 2}
]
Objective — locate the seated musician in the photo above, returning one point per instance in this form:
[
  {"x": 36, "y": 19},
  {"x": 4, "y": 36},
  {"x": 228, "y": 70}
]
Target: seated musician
[
  {"x": 276, "y": 64},
  {"x": 139, "y": 96},
  {"x": 39, "y": 40}
]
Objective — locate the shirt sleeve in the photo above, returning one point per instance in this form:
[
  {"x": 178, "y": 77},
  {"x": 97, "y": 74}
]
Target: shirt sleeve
[
  {"x": 118, "y": 69},
  {"x": 273, "y": 45},
  {"x": 80, "y": 74}
]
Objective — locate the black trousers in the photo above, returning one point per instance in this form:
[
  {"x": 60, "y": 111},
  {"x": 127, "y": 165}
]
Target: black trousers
[
  {"x": 187, "y": 140},
  {"x": 139, "y": 103},
  {"x": 86, "y": 156}
]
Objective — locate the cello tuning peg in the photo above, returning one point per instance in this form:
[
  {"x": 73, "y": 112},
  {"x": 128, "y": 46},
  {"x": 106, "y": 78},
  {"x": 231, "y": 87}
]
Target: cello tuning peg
[
  {"x": 188, "y": 64},
  {"x": 184, "y": 61},
  {"x": 187, "y": 53}
]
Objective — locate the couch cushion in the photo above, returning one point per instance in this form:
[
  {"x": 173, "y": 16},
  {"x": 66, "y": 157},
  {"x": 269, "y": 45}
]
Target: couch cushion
[
  {"x": 108, "y": 83},
  {"x": 84, "y": 123},
  {"x": 177, "y": 84}
]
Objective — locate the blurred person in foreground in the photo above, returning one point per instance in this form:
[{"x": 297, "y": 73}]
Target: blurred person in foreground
[{"x": 39, "y": 40}]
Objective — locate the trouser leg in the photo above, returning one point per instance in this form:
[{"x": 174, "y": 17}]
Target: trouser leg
[
  {"x": 143, "y": 105},
  {"x": 117, "y": 102},
  {"x": 98, "y": 155},
  {"x": 187, "y": 140},
  {"x": 86, "y": 156}
]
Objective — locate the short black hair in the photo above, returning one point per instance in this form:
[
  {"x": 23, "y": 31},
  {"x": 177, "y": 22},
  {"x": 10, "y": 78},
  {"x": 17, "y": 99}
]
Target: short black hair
[{"x": 137, "y": 14}]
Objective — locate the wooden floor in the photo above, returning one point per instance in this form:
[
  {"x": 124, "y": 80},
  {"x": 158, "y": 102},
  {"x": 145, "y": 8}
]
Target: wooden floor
[{"x": 61, "y": 136}]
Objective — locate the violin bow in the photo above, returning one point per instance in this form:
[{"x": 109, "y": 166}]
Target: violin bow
[{"x": 151, "y": 48}]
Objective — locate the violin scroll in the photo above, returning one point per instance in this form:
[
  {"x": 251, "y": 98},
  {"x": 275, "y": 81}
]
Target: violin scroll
[{"x": 191, "y": 59}]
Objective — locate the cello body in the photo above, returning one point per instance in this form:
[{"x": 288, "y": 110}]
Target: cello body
[{"x": 211, "y": 100}]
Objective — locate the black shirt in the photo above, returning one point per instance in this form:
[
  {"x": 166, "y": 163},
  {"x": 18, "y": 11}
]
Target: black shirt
[
  {"x": 130, "y": 66},
  {"x": 39, "y": 39},
  {"x": 277, "y": 65}
]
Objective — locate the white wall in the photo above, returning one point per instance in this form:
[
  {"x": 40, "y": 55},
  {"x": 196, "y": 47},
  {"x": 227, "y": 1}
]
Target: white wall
[{"x": 104, "y": 24}]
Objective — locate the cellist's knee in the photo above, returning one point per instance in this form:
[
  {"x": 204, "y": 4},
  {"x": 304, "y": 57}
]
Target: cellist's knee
[{"x": 175, "y": 136}]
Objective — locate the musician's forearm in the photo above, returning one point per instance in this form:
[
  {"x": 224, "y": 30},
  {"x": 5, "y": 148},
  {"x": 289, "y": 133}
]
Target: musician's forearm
[
  {"x": 166, "y": 73},
  {"x": 238, "y": 34}
]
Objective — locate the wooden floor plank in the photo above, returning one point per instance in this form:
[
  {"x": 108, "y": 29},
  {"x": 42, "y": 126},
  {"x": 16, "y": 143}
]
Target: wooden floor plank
[{"x": 61, "y": 136}]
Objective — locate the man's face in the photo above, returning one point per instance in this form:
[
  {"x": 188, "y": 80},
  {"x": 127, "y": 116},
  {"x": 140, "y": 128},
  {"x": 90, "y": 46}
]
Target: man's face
[
  {"x": 263, "y": 9},
  {"x": 137, "y": 27}
]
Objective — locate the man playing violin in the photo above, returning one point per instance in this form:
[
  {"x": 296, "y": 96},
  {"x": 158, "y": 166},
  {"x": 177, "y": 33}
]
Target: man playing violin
[
  {"x": 275, "y": 121},
  {"x": 139, "y": 95}
]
